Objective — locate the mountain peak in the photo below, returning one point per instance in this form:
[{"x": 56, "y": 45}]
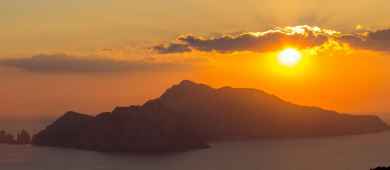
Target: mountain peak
[
  {"x": 189, "y": 84},
  {"x": 186, "y": 87},
  {"x": 71, "y": 113}
]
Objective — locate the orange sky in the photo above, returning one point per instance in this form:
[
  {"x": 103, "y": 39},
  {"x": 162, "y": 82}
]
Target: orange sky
[
  {"x": 348, "y": 81},
  {"x": 91, "y": 56}
]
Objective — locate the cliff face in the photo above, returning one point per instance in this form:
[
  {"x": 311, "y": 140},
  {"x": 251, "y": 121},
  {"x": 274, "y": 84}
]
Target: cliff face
[{"x": 189, "y": 115}]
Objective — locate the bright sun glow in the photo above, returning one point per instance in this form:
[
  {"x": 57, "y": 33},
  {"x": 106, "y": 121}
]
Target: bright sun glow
[{"x": 289, "y": 57}]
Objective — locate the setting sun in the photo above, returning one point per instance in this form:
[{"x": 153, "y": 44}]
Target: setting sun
[{"x": 289, "y": 57}]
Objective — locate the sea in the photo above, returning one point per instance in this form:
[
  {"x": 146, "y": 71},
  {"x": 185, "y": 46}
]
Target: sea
[{"x": 359, "y": 152}]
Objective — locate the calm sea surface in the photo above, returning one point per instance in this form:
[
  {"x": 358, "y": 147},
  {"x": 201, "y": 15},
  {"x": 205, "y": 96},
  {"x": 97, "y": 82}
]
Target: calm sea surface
[{"x": 337, "y": 153}]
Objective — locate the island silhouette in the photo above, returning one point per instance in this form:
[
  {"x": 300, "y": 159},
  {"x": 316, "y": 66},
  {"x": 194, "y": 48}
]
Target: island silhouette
[{"x": 190, "y": 116}]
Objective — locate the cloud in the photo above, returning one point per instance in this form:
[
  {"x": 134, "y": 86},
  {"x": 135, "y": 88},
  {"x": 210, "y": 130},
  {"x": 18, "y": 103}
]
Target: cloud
[
  {"x": 172, "y": 48},
  {"x": 299, "y": 37},
  {"x": 277, "y": 38},
  {"x": 371, "y": 40},
  {"x": 61, "y": 63}
]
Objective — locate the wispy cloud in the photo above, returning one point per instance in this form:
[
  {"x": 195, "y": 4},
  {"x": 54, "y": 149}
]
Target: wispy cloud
[
  {"x": 61, "y": 63},
  {"x": 172, "y": 48}
]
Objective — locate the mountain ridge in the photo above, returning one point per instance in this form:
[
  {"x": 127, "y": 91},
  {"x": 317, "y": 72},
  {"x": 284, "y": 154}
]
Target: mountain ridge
[{"x": 189, "y": 115}]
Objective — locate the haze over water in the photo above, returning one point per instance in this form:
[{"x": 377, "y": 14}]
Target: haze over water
[{"x": 360, "y": 152}]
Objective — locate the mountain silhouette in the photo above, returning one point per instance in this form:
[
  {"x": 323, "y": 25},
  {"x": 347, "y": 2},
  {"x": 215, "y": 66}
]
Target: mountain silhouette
[{"x": 190, "y": 115}]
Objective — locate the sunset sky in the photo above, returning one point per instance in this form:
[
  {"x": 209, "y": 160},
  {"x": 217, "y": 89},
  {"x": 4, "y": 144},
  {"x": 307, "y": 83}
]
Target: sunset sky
[{"x": 93, "y": 55}]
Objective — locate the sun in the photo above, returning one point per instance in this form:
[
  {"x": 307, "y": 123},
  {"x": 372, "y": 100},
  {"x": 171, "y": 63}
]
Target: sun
[{"x": 289, "y": 57}]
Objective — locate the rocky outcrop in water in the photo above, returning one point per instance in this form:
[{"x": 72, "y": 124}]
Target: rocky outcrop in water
[
  {"x": 189, "y": 115},
  {"x": 381, "y": 168},
  {"x": 6, "y": 138},
  {"x": 22, "y": 138}
]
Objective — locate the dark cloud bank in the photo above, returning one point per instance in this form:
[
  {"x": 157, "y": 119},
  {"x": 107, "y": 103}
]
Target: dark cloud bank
[
  {"x": 299, "y": 37},
  {"x": 243, "y": 42},
  {"x": 249, "y": 42},
  {"x": 374, "y": 40},
  {"x": 61, "y": 63}
]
